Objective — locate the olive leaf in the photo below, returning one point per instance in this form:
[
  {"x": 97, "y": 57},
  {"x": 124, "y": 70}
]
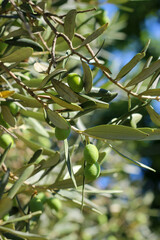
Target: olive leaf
[
  {"x": 115, "y": 132},
  {"x": 18, "y": 55},
  {"x": 87, "y": 77},
  {"x": 145, "y": 73},
  {"x": 69, "y": 23},
  {"x": 94, "y": 35},
  {"x": 155, "y": 117}
]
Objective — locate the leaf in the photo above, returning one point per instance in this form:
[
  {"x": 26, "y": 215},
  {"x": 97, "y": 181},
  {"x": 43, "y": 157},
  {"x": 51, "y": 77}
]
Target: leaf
[
  {"x": 62, "y": 103},
  {"x": 7, "y": 116},
  {"x": 94, "y": 35},
  {"x": 87, "y": 77},
  {"x": 135, "y": 162},
  {"x": 35, "y": 156},
  {"x": 28, "y": 236},
  {"x": 39, "y": 67},
  {"x": 56, "y": 119},
  {"x": 68, "y": 162},
  {"x": 102, "y": 67},
  {"x": 3, "y": 182},
  {"x": 19, "y": 55},
  {"x": 4, "y": 154},
  {"x": 153, "y": 133},
  {"x": 155, "y": 117},
  {"x": 51, "y": 75},
  {"x": 99, "y": 104},
  {"x": 130, "y": 65},
  {"x": 151, "y": 92},
  {"x": 27, "y": 101},
  {"x": 115, "y": 132},
  {"x": 145, "y": 73},
  {"x": 6, "y": 94},
  {"x": 5, "y": 206},
  {"x": 34, "y": 146},
  {"x": 117, "y": 1},
  {"x": 24, "y": 42},
  {"x": 25, "y": 175},
  {"x": 64, "y": 91},
  {"x": 39, "y": 129},
  {"x": 69, "y": 23},
  {"x": 36, "y": 115}
]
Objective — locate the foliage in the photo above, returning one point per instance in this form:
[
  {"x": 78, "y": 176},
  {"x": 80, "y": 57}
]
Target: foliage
[{"x": 41, "y": 44}]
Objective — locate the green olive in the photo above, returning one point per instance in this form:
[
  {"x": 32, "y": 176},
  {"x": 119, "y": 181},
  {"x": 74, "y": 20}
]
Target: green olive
[
  {"x": 75, "y": 82},
  {"x": 13, "y": 108},
  {"x": 5, "y": 140},
  {"x": 36, "y": 204},
  {"x": 62, "y": 134},
  {"x": 92, "y": 171},
  {"x": 54, "y": 203},
  {"x": 91, "y": 153}
]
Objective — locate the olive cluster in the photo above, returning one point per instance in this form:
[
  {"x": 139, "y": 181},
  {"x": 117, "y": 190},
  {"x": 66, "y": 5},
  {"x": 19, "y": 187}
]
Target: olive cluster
[{"x": 92, "y": 168}]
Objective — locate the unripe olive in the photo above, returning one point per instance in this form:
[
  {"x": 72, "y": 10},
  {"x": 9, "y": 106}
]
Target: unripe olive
[
  {"x": 92, "y": 171},
  {"x": 41, "y": 196},
  {"x": 62, "y": 134},
  {"x": 5, "y": 140},
  {"x": 36, "y": 204},
  {"x": 54, "y": 203},
  {"x": 13, "y": 108},
  {"x": 75, "y": 82},
  {"x": 91, "y": 153}
]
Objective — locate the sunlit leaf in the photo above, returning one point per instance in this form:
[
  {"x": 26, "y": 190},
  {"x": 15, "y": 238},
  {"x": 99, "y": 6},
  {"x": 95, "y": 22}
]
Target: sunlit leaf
[
  {"x": 145, "y": 73},
  {"x": 94, "y": 35},
  {"x": 115, "y": 132},
  {"x": 151, "y": 92},
  {"x": 25, "y": 175},
  {"x": 5, "y": 206},
  {"x": 68, "y": 162}
]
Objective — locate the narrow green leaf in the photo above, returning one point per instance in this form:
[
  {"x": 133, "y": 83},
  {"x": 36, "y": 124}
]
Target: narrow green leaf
[
  {"x": 4, "y": 154},
  {"x": 151, "y": 92},
  {"x": 24, "y": 42},
  {"x": 50, "y": 162},
  {"x": 23, "y": 218},
  {"x": 102, "y": 67},
  {"x": 65, "y": 92},
  {"x": 102, "y": 94},
  {"x": 38, "y": 127},
  {"x": 94, "y": 35},
  {"x": 153, "y": 133},
  {"x": 19, "y": 55},
  {"x": 36, "y": 115},
  {"x": 115, "y": 132},
  {"x": 69, "y": 23},
  {"x": 155, "y": 117},
  {"x": 35, "y": 156},
  {"x": 99, "y": 104},
  {"x": 5, "y": 206},
  {"x": 7, "y": 116},
  {"x": 50, "y": 76},
  {"x": 27, "y": 101},
  {"x": 25, "y": 175},
  {"x": 29, "y": 236},
  {"x": 68, "y": 162},
  {"x": 56, "y": 119},
  {"x": 34, "y": 146},
  {"x": 130, "y": 65},
  {"x": 154, "y": 79},
  {"x": 87, "y": 77},
  {"x": 135, "y": 162},
  {"x": 4, "y": 182},
  {"x": 71, "y": 106},
  {"x": 145, "y": 73}
]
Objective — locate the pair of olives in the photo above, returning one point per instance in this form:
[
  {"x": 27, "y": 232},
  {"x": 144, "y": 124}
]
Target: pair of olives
[
  {"x": 92, "y": 168},
  {"x": 36, "y": 203}
]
